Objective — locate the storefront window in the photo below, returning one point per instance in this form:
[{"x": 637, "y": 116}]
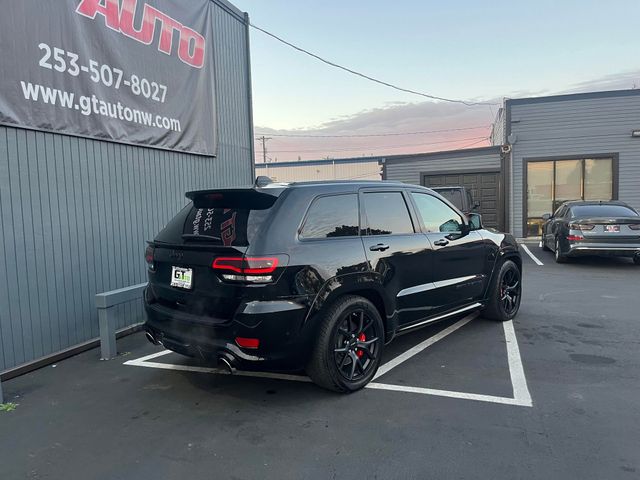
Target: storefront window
[
  {"x": 568, "y": 182},
  {"x": 598, "y": 179},
  {"x": 539, "y": 193},
  {"x": 549, "y": 183}
]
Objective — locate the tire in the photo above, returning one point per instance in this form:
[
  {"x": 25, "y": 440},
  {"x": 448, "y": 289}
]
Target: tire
[
  {"x": 636, "y": 259},
  {"x": 559, "y": 256},
  {"x": 343, "y": 327},
  {"x": 498, "y": 308},
  {"x": 543, "y": 245}
]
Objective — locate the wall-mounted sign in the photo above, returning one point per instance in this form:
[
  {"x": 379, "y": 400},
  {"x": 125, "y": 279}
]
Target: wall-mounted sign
[{"x": 131, "y": 71}]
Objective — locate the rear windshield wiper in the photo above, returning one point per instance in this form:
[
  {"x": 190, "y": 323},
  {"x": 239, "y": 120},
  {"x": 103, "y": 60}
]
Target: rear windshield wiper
[{"x": 193, "y": 236}]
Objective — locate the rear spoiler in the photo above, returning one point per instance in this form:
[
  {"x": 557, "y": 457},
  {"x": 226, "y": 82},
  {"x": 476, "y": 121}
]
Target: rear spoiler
[{"x": 251, "y": 198}]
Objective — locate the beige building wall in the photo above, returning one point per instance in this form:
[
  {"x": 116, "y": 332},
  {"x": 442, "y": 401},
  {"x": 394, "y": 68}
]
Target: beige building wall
[{"x": 309, "y": 171}]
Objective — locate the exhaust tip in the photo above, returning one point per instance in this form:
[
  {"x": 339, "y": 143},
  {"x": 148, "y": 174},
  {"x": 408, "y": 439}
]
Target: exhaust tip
[
  {"x": 227, "y": 364},
  {"x": 152, "y": 339}
]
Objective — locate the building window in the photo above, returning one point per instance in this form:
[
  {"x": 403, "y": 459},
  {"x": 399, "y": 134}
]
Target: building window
[{"x": 549, "y": 183}]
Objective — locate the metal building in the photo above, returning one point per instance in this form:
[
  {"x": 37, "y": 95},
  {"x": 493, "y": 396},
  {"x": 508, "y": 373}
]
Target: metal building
[
  {"x": 546, "y": 150},
  {"x": 568, "y": 147},
  {"x": 75, "y": 212},
  {"x": 477, "y": 169},
  {"x": 361, "y": 168}
]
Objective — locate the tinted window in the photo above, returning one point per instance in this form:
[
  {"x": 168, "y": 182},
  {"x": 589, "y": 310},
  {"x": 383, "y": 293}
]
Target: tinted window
[
  {"x": 226, "y": 217},
  {"x": 436, "y": 215},
  {"x": 387, "y": 213},
  {"x": 453, "y": 195},
  {"x": 333, "y": 216},
  {"x": 602, "y": 211},
  {"x": 224, "y": 226}
]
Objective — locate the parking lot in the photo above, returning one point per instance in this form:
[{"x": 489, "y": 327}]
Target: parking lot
[{"x": 552, "y": 395}]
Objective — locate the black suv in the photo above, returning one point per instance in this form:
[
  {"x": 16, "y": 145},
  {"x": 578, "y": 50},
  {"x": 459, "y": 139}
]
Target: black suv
[{"x": 320, "y": 276}]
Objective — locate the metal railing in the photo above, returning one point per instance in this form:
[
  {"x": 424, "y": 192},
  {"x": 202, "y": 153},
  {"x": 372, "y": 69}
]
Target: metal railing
[{"x": 106, "y": 303}]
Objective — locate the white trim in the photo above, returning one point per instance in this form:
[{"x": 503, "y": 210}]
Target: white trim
[
  {"x": 533, "y": 257},
  {"x": 440, "y": 317},
  {"x": 433, "y": 285}
]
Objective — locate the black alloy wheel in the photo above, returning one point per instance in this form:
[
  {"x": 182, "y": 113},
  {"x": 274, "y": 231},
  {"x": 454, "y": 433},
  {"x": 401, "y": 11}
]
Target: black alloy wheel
[
  {"x": 356, "y": 343},
  {"x": 349, "y": 345},
  {"x": 506, "y": 293},
  {"x": 510, "y": 291}
]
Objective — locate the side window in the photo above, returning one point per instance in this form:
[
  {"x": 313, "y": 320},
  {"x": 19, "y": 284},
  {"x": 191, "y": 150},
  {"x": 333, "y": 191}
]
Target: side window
[
  {"x": 436, "y": 215},
  {"x": 332, "y": 216},
  {"x": 387, "y": 213}
]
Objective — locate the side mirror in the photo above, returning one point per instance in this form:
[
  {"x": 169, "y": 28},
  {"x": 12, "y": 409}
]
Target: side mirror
[
  {"x": 475, "y": 221},
  {"x": 476, "y": 204},
  {"x": 546, "y": 216}
]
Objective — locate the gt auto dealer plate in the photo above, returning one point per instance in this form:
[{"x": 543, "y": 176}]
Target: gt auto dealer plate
[
  {"x": 181, "y": 277},
  {"x": 612, "y": 228}
]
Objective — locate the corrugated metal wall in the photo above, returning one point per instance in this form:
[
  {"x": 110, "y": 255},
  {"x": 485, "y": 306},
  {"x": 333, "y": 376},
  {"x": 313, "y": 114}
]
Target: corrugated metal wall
[
  {"x": 359, "y": 169},
  {"x": 408, "y": 168},
  {"x": 582, "y": 126},
  {"x": 75, "y": 213}
]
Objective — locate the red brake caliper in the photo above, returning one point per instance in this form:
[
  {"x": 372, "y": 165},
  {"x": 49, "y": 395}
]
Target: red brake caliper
[{"x": 362, "y": 337}]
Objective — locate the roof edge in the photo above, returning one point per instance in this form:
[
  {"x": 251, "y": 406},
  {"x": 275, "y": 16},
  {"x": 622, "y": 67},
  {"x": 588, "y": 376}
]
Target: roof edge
[
  {"x": 573, "y": 96},
  {"x": 489, "y": 149}
]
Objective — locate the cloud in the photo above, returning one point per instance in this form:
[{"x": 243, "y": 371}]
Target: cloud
[{"x": 444, "y": 126}]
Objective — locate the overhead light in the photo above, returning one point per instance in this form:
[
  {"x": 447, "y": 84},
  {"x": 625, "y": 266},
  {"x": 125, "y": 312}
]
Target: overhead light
[{"x": 635, "y": 133}]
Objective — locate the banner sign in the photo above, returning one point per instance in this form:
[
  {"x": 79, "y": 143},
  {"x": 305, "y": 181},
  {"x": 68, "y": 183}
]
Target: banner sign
[{"x": 131, "y": 71}]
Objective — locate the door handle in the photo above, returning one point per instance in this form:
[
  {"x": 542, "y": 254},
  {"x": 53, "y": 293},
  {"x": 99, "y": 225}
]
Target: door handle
[
  {"x": 380, "y": 247},
  {"x": 442, "y": 242}
]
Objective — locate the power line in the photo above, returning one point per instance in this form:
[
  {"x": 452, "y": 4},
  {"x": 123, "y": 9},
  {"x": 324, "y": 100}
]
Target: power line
[
  {"x": 304, "y": 135},
  {"x": 381, "y": 82},
  {"x": 384, "y": 147}
]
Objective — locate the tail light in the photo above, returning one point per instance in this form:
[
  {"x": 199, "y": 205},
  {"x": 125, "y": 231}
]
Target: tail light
[
  {"x": 148, "y": 256},
  {"x": 251, "y": 343},
  {"x": 580, "y": 226},
  {"x": 635, "y": 226},
  {"x": 575, "y": 238},
  {"x": 247, "y": 269}
]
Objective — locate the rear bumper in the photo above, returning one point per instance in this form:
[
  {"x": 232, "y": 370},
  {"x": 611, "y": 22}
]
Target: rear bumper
[
  {"x": 604, "y": 249},
  {"x": 279, "y": 326}
]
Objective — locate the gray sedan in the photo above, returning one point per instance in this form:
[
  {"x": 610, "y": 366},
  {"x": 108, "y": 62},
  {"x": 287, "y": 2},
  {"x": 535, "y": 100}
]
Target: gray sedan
[{"x": 607, "y": 228}]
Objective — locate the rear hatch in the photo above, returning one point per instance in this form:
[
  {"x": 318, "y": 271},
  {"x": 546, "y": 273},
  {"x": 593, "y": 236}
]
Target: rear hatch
[{"x": 218, "y": 225}]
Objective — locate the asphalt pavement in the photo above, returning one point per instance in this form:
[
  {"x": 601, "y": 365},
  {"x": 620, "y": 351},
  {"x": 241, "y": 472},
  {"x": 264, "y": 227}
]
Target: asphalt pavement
[{"x": 454, "y": 409}]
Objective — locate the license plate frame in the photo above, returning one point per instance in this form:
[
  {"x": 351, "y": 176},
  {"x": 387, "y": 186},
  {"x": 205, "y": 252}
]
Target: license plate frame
[
  {"x": 182, "y": 277},
  {"x": 612, "y": 228}
]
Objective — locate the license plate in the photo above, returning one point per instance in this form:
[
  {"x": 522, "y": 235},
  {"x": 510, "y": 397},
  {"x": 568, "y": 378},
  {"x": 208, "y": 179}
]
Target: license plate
[
  {"x": 612, "y": 228},
  {"x": 181, "y": 277}
]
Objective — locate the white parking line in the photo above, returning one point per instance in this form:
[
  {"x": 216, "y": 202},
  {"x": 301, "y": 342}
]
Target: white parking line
[
  {"x": 533, "y": 257},
  {"x": 521, "y": 395},
  {"x": 516, "y": 371},
  {"x": 421, "y": 346}
]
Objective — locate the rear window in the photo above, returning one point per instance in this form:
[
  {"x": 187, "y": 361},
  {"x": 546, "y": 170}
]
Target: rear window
[
  {"x": 602, "y": 211},
  {"x": 387, "y": 213},
  {"x": 232, "y": 219},
  {"x": 454, "y": 195},
  {"x": 332, "y": 216}
]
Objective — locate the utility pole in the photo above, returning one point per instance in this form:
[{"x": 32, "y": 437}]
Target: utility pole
[{"x": 264, "y": 139}]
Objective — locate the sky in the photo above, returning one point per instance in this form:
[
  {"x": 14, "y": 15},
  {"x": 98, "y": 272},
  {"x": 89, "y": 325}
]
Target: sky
[{"x": 470, "y": 50}]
